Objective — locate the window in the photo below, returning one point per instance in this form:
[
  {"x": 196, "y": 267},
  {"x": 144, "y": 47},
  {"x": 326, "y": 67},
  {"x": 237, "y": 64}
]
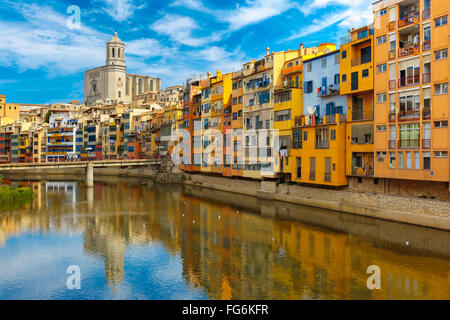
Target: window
[
  {"x": 426, "y": 161},
  {"x": 400, "y": 160},
  {"x": 344, "y": 78},
  {"x": 365, "y": 73},
  {"x": 333, "y": 134},
  {"x": 441, "y": 54},
  {"x": 381, "y": 40},
  {"x": 381, "y": 128},
  {"x": 381, "y": 12},
  {"x": 305, "y": 136},
  {"x": 344, "y": 54},
  {"x": 381, "y": 155},
  {"x": 441, "y": 21},
  {"x": 392, "y": 160},
  {"x": 381, "y": 98},
  {"x": 441, "y": 154},
  {"x": 381, "y": 68},
  {"x": 408, "y": 160},
  {"x": 324, "y": 62},
  {"x": 336, "y": 59},
  {"x": 308, "y": 87},
  {"x": 441, "y": 124},
  {"x": 416, "y": 160},
  {"x": 299, "y": 168},
  {"x": 309, "y": 66},
  {"x": 441, "y": 88},
  {"x": 297, "y": 139}
]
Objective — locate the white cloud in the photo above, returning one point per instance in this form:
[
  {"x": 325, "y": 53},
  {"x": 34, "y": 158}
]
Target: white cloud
[
  {"x": 44, "y": 41},
  {"x": 119, "y": 10},
  {"x": 180, "y": 29}
]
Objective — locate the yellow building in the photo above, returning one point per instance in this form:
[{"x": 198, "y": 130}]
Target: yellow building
[
  {"x": 357, "y": 74},
  {"x": 411, "y": 91},
  {"x": 9, "y": 112}
]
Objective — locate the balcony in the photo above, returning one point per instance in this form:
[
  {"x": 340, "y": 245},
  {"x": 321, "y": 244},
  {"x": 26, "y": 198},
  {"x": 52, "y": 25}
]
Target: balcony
[
  {"x": 410, "y": 50},
  {"x": 361, "y": 60},
  {"x": 409, "y": 144},
  {"x": 330, "y": 118},
  {"x": 328, "y": 91},
  {"x": 426, "y": 78},
  {"x": 292, "y": 70},
  {"x": 409, "y": 19},
  {"x": 392, "y": 116},
  {"x": 426, "y": 144},
  {"x": 426, "y": 46},
  {"x": 392, "y": 55},
  {"x": 409, "y": 81},
  {"x": 392, "y": 84},
  {"x": 426, "y": 113},
  {"x": 391, "y": 26},
  {"x": 392, "y": 144},
  {"x": 322, "y": 144},
  {"x": 426, "y": 14},
  {"x": 408, "y": 115}
]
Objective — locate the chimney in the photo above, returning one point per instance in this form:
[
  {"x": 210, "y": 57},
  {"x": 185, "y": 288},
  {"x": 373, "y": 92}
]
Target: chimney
[{"x": 267, "y": 51}]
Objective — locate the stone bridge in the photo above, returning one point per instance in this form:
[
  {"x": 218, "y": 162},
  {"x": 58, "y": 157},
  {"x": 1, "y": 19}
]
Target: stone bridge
[{"x": 87, "y": 165}]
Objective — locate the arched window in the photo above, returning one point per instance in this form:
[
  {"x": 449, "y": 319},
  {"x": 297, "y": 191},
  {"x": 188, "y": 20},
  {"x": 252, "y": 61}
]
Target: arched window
[
  {"x": 118, "y": 53},
  {"x": 127, "y": 87},
  {"x": 151, "y": 85},
  {"x": 113, "y": 52},
  {"x": 120, "y": 94}
]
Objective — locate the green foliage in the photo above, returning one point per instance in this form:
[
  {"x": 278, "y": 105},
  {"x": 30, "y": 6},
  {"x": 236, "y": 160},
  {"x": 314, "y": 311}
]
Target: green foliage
[
  {"x": 14, "y": 198},
  {"x": 47, "y": 116}
]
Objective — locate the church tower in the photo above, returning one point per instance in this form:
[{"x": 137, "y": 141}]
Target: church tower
[{"x": 115, "y": 52}]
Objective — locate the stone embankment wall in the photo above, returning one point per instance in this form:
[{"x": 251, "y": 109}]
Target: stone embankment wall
[{"x": 422, "y": 212}]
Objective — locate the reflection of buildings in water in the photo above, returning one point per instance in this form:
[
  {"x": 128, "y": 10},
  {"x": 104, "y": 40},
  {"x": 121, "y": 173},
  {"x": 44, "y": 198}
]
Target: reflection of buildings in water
[
  {"x": 242, "y": 255},
  {"x": 68, "y": 190},
  {"x": 269, "y": 259}
]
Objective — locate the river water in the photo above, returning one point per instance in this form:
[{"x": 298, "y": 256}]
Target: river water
[{"x": 132, "y": 239}]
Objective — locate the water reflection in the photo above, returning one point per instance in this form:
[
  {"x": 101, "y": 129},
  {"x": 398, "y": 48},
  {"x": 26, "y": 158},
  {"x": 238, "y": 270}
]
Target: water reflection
[{"x": 135, "y": 240}]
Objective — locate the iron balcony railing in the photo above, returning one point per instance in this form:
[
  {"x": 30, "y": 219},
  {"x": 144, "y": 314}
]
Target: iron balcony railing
[
  {"x": 409, "y": 81},
  {"x": 409, "y": 144},
  {"x": 426, "y": 78},
  {"x": 409, "y": 50},
  {"x": 392, "y": 144},
  {"x": 409, "y": 115},
  {"x": 426, "y": 113},
  {"x": 410, "y": 19},
  {"x": 426, "y": 14},
  {"x": 426, "y": 46},
  {"x": 426, "y": 144},
  {"x": 328, "y": 177},
  {"x": 392, "y": 116}
]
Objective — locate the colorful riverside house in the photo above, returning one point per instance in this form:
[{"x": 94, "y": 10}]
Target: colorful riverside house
[
  {"x": 319, "y": 135},
  {"x": 193, "y": 87},
  {"x": 236, "y": 123},
  {"x": 197, "y": 132},
  {"x": 39, "y": 147},
  {"x": 357, "y": 74},
  {"x": 226, "y": 127},
  {"x": 260, "y": 78},
  {"x": 288, "y": 106},
  {"x": 61, "y": 138},
  {"x": 5, "y": 143},
  {"x": 206, "y": 126},
  {"x": 411, "y": 94}
]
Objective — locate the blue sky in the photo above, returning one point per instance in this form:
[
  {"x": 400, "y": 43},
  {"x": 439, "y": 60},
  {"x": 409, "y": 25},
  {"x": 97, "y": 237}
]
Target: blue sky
[{"x": 42, "y": 60}]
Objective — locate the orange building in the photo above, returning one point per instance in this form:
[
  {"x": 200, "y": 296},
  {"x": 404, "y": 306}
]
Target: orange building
[{"x": 411, "y": 89}]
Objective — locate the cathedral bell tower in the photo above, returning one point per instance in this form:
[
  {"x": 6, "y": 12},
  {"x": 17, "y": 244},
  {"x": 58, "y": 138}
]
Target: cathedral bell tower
[{"x": 115, "y": 52}]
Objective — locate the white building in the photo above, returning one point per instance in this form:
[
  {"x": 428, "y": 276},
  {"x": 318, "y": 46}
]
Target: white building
[{"x": 112, "y": 83}]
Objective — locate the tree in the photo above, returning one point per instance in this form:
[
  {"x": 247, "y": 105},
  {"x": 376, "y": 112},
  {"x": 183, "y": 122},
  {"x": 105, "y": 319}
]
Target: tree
[{"x": 47, "y": 116}]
